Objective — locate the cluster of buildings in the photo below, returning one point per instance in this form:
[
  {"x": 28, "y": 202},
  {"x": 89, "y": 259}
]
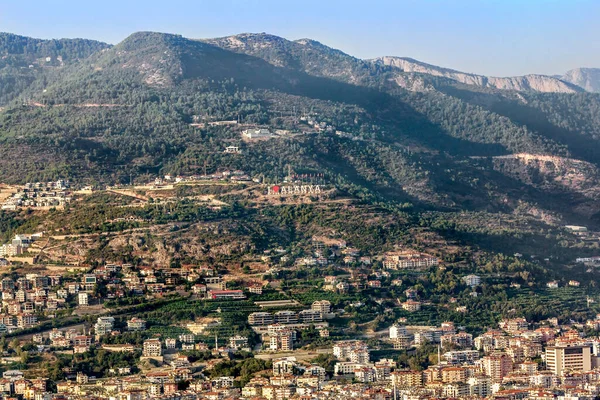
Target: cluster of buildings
[
  {"x": 13, "y": 384},
  {"x": 406, "y": 337},
  {"x": 318, "y": 126},
  {"x": 27, "y": 297},
  {"x": 513, "y": 362},
  {"x": 279, "y": 329},
  {"x": 32, "y": 298},
  {"x": 327, "y": 251},
  {"x": 19, "y": 244},
  {"x": 39, "y": 194},
  {"x": 127, "y": 280},
  {"x": 226, "y": 175}
]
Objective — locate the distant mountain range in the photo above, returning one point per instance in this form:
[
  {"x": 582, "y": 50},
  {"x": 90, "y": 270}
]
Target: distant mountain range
[
  {"x": 390, "y": 129},
  {"x": 586, "y": 78},
  {"x": 536, "y": 83}
]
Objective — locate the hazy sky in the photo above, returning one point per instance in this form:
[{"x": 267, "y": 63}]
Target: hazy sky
[{"x": 493, "y": 37}]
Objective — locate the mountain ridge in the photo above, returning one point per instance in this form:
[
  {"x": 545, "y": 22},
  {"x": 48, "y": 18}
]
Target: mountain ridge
[
  {"x": 587, "y": 78},
  {"x": 347, "y": 118},
  {"x": 529, "y": 82}
]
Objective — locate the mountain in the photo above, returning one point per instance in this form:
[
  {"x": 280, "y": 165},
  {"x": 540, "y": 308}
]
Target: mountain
[
  {"x": 431, "y": 140},
  {"x": 25, "y": 60},
  {"x": 587, "y": 78},
  {"x": 25, "y": 49},
  {"x": 304, "y": 55},
  {"x": 535, "y": 83},
  {"x": 315, "y": 58}
]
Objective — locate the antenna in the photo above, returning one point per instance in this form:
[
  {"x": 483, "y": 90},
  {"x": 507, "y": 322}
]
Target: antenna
[{"x": 216, "y": 342}]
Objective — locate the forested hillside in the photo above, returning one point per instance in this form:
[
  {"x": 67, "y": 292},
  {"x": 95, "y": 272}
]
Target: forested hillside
[
  {"x": 105, "y": 114},
  {"x": 24, "y": 61}
]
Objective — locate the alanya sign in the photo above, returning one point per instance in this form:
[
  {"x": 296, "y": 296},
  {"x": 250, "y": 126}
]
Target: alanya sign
[{"x": 296, "y": 189}]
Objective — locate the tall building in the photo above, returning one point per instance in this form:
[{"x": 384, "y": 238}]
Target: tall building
[
  {"x": 497, "y": 366},
  {"x": 83, "y": 299},
  {"x": 560, "y": 359},
  {"x": 407, "y": 378},
  {"x": 282, "y": 340}
]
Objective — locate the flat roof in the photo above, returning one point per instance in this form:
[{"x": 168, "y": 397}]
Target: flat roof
[{"x": 276, "y": 303}]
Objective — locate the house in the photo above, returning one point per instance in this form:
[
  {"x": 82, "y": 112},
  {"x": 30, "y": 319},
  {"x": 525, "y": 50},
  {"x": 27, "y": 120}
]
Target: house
[
  {"x": 232, "y": 150},
  {"x": 238, "y": 342},
  {"x": 255, "y": 288},
  {"x": 411, "y": 305},
  {"x": 136, "y": 324},
  {"x": 552, "y": 284}
]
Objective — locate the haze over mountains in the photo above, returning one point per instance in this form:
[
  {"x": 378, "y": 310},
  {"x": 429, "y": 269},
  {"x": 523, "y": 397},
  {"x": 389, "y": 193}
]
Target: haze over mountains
[
  {"x": 537, "y": 83},
  {"x": 396, "y": 130},
  {"x": 587, "y": 78}
]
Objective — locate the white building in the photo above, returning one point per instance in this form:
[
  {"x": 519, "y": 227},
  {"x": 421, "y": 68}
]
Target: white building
[
  {"x": 561, "y": 359},
  {"x": 480, "y": 386},
  {"x": 472, "y": 280},
  {"x": 83, "y": 299},
  {"x": 104, "y": 325},
  {"x": 257, "y": 133},
  {"x": 397, "y": 331}
]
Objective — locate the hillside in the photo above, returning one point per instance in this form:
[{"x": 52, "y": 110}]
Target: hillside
[
  {"x": 144, "y": 107},
  {"x": 25, "y": 61},
  {"x": 587, "y": 78}
]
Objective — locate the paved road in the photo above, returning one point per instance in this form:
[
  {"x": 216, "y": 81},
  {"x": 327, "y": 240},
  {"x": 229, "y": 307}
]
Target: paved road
[{"x": 300, "y": 355}]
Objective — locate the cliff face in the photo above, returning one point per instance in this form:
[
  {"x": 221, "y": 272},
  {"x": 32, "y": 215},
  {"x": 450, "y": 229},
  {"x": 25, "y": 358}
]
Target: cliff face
[
  {"x": 534, "y": 83},
  {"x": 587, "y": 78},
  {"x": 552, "y": 172}
]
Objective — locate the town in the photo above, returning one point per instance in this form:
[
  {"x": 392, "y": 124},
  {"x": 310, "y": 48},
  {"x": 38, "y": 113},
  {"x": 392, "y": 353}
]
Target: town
[
  {"x": 283, "y": 348},
  {"x": 221, "y": 216}
]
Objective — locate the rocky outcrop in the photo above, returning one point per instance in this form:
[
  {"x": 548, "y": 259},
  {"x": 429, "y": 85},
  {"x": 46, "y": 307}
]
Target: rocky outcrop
[
  {"x": 552, "y": 173},
  {"x": 534, "y": 83},
  {"x": 586, "y": 78}
]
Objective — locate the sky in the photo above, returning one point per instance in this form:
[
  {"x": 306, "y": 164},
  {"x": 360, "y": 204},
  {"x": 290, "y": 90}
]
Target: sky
[{"x": 490, "y": 37}]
